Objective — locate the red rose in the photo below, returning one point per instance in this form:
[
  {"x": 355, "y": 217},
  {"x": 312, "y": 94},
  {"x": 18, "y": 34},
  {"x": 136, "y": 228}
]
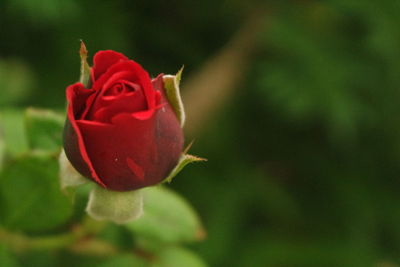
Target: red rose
[{"x": 121, "y": 131}]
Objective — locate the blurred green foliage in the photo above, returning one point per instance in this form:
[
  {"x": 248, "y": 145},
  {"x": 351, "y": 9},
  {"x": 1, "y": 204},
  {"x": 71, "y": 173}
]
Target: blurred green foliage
[
  {"x": 38, "y": 217},
  {"x": 303, "y": 164},
  {"x": 32, "y": 177}
]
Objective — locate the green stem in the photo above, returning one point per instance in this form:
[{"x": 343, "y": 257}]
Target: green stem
[
  {"x": 80, "y": 240},
  {"x": 51, "y": 242},
  {"x": 20, "y": 242}
]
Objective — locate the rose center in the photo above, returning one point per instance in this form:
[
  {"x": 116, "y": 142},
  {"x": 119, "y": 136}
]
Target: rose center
[{"x": 121, "y": 88}]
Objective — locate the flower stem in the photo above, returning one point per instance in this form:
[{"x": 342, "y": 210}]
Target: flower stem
[
  {"x": 85, "y": 231},
  {"x": 20, "y": 242}
]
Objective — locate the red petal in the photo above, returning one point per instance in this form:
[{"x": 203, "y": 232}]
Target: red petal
[
  {"x": 74, "y": 145},
  {"x": 158, "y": 82},
  {"x": 77, "y": 95},
  {"x": 158, "y": 85},
  {"x": 135, "y": 168},
  {"x": 143, "y": 115},
  {"x": 122, "y": 104},
  {"x": 133, "y": 153},
  {"x": 110, "y": 147},
  {"x": 137, "y": 75},
  {"x": 103, "y": 60}
]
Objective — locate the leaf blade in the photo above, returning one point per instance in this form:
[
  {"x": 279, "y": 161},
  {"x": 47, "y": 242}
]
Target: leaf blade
[{"x": 167, "y": 218}]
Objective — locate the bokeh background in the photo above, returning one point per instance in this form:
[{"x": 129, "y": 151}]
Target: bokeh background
[{"x": 294, "y": 103}]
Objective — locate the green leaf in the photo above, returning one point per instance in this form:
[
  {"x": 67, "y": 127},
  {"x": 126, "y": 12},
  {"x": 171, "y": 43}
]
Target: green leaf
[
  {"x": 177, "y": 256},
  {"x": 44, "y": 129},
  {"x": 2, "y": 149},
  {"x": 116, "y": 235},
  {"x": 6, "y": 258},
  {"x": 123, "y": 261},
  {"x": 171, "y": 84},
  {"x": 30, "y": 197},
  {"x": 38, "y": 259},
  {"x": 13, "y": 130},
  {"x": 119, "y": 207},
  {"x": 167, "y": 218},
  {"x": 184, "y": 160}
]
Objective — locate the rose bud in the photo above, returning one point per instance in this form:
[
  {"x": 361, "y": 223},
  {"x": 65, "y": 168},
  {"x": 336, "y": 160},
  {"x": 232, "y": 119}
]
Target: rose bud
[{"x": 123, "y": 131}]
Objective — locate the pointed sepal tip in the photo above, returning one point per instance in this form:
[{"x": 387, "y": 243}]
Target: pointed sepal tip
[{"x": 85, "y": 68}]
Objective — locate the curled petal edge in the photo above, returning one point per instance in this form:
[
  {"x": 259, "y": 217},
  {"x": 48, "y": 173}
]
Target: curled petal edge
[{"x": 82, "y": 149}]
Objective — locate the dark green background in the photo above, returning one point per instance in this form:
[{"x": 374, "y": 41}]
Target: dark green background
[{"x": 303, "y": 156}]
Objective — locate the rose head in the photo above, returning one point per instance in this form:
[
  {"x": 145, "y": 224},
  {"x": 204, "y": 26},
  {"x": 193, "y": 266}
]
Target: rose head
[{"x": 121, "y": 131}]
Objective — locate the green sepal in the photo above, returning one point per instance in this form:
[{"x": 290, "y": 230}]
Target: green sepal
[
  {"x": 85, "y": 68},
  {"x": 118, "y": 207},
  {"x": 172, "y": 91},
  {"x": 184, "y": 160},
  {"x": 69, "y": 177}
]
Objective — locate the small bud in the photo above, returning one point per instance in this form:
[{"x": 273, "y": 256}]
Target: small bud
[{"x": 122, "y": 131}]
